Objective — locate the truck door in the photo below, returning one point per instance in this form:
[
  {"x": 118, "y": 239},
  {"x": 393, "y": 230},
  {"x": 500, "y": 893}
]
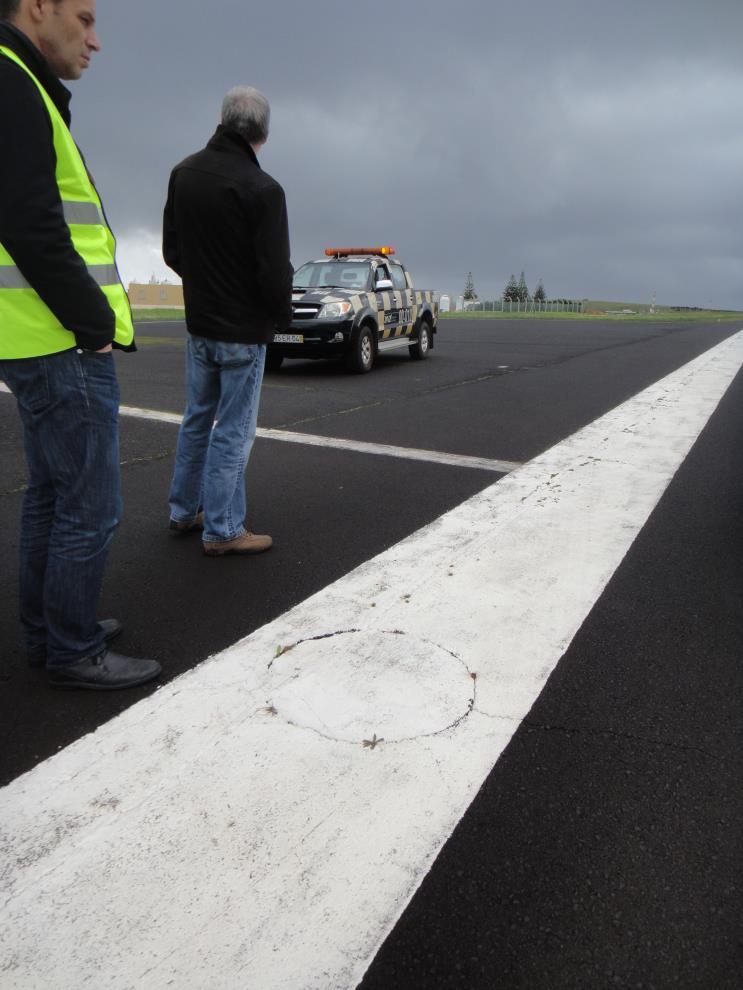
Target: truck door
[
  {"x": 405, "y": 320},
  {"x": 386, "y": 303}
]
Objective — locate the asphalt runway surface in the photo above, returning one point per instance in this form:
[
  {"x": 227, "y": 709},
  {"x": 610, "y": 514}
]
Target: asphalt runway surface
[{"x": 605, "y": 847}]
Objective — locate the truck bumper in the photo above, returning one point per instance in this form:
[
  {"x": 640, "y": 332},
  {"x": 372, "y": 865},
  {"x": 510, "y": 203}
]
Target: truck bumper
[{"x": 305, "y": 339}]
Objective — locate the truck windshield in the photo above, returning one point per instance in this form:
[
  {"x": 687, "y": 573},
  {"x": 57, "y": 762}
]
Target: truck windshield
[{"x": 333, "y": 274}]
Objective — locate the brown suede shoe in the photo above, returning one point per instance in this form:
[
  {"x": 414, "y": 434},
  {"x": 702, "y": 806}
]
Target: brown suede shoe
[
  {"x": 246, "y": 543},
  {"x": 190, "y": 526}
]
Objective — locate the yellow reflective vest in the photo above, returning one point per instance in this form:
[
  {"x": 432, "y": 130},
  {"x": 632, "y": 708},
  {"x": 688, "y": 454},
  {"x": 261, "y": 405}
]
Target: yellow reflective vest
[{"x": 28, "y": 328}]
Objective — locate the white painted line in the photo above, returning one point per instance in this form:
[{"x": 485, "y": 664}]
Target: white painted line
[
  {"x": 337, "y": 443},
  {"x": 386, "y": 450},
  {"x": 154, "y": 414},
  {"x": 357, "y": 446},
  {"x": 245, "y": 826}
]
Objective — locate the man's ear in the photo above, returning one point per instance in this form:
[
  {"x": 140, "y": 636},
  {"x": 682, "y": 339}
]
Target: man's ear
[{"x": 36, "y": 10}]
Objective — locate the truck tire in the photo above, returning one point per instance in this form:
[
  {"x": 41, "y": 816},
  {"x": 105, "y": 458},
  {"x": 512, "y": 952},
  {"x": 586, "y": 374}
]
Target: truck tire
[
  {"x": 360, "y": 357},
  {"x": 420, "y": 347}
]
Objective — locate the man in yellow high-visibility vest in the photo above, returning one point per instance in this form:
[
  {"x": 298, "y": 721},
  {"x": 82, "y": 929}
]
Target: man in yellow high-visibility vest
[{"x": 62, "y": 308}]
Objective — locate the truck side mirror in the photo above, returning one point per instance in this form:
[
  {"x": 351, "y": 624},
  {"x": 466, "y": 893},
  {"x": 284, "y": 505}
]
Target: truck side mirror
[{"x": 383, "y": 284}]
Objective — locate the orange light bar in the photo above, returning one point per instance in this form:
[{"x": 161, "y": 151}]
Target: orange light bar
[{"x": 346, "y": 252}]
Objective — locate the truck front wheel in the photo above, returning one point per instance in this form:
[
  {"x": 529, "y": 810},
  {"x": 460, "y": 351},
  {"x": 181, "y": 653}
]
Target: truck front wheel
[{"x": 360, "y": 358}]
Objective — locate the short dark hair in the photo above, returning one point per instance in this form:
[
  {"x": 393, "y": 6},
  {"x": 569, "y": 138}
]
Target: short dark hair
[{"x": 8, "y": 9}]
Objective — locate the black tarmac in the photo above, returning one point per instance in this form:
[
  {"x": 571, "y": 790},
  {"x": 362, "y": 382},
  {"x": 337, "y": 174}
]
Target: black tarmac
[{"x": 606, "y": 848}]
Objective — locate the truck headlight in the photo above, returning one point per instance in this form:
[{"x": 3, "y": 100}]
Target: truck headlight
[{"x": 334, "y": 310}]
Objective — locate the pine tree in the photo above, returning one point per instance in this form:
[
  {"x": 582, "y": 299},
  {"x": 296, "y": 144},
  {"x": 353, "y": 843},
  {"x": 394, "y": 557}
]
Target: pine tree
[
  {"x": 511, "y": 291},
  {"x": 469, "y": 287},
  {"x": 523, "y": 291},
  {"x": 540, "y": 295}
]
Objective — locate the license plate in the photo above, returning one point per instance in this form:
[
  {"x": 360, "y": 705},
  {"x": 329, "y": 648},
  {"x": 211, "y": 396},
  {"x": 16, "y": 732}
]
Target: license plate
[{"x": 288, "y": 338}]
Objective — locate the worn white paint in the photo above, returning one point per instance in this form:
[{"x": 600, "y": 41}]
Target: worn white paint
[
  {"x": 387, "y": 450},
  {"x": 338, "y": 443},
  {"x": 155, "y": 414},
  {"x": 234, "y": 830},
  {"x": 357, "y": 446}
]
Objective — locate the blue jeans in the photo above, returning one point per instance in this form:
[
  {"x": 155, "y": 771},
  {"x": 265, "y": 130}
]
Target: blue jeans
[
  {"x": 223, "y": 383},
  {"x": 69, "y": 407}
]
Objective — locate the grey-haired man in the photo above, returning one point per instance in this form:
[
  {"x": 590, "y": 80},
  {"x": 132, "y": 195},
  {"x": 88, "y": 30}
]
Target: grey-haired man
[{"x": 226, "y": 234}]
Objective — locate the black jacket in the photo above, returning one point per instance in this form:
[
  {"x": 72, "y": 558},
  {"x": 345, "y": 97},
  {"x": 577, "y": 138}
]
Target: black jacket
[
  {"x": 225, "y": 232},
  {"x": 32, "y": 225}
]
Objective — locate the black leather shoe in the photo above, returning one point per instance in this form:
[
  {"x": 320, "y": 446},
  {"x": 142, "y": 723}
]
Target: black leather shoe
[
  {"x": 106, "y": 672},
  {"x": 111, "y": 629}
]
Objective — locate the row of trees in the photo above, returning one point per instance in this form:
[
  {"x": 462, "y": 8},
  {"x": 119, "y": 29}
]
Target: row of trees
[
  {"x": 519, "y": 291},
  {"x": 513, "y": 292}
]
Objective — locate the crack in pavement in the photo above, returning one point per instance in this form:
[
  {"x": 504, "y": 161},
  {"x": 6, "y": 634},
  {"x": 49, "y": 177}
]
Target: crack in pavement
[
  {"x": 150, "y": 458},
  {"x": 270, "y": 709},
  {"x": 613, "y": 734},
  {"x": 490, "y": 376},
  {"x": 433, "y": 390}
]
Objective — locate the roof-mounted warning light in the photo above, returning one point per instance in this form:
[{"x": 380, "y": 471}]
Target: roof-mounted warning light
[{"x": 348, "y": 252}]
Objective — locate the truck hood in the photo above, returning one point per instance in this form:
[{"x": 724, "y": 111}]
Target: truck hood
[{"x": 322, "y": 296}]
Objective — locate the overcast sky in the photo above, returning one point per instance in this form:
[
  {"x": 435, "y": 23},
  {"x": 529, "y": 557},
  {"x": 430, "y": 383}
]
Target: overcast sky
[{"x": 596, "y": 145}]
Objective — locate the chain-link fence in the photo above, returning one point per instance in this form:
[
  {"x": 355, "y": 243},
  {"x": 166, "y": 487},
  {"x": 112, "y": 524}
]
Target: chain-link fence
[{"x": 530, "y": 306}]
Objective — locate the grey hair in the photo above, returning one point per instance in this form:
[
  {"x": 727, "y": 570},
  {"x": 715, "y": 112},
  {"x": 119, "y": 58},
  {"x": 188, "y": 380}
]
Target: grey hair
[{"x": 246, "y": 111}]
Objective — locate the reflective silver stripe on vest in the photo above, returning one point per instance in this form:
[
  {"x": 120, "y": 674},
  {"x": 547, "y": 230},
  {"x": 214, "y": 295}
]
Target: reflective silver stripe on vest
[
  {"x": 86, "y": 214},
  {"x": 11, "y": 277}
]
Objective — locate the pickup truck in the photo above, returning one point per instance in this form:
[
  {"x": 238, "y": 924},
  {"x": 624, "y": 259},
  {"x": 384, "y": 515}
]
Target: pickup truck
[{"x": 356, "y": 303}]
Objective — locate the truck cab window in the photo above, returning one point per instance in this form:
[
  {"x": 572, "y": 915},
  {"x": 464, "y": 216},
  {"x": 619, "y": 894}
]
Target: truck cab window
[
  {"x": 398, "y": 277},
  {"x": 381, "y": 273}
]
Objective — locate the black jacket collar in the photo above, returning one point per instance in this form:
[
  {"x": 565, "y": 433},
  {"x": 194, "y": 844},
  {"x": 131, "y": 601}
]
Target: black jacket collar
[
  {"x": 225, "y": 139},
  {"x": 24, "y": 48}
]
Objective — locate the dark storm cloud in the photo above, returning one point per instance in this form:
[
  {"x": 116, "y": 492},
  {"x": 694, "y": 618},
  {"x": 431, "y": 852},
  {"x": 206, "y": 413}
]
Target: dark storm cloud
[{"x": 597, "y": 146}]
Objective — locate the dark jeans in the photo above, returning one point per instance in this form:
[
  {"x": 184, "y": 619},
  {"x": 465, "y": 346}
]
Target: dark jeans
[{"x": 69, "y": 405}]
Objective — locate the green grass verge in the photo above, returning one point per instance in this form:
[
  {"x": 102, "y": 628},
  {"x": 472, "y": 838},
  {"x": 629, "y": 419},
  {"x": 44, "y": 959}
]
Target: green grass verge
[
  {"x": 154, "y": 315},
  {"x": 143, "y": 339}
]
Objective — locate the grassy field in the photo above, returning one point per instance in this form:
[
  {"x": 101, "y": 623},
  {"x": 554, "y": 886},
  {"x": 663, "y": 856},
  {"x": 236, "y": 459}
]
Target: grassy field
[
  {"x": 151, "y": 315},
  {"x": 642, "y": 310}
]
